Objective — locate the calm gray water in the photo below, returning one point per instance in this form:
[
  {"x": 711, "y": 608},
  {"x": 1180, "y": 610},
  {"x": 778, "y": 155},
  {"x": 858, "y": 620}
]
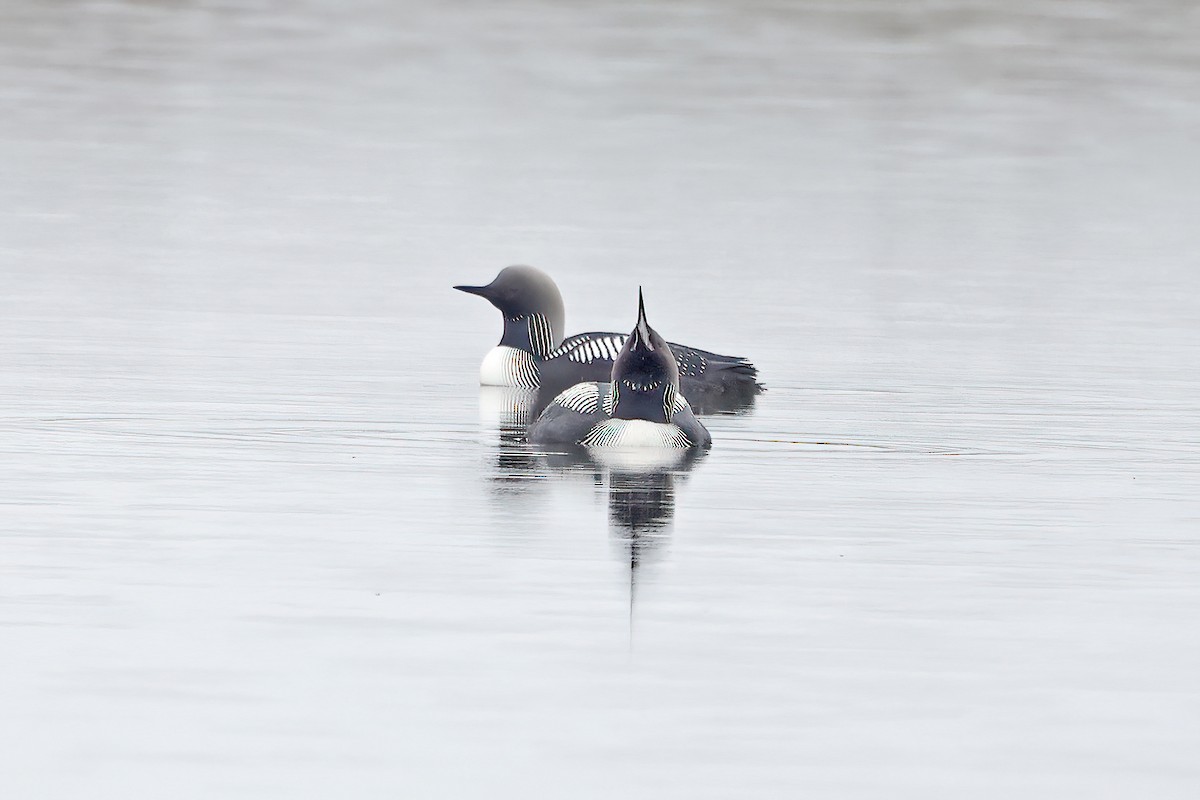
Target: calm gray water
[{"x": 262, "y": 536}]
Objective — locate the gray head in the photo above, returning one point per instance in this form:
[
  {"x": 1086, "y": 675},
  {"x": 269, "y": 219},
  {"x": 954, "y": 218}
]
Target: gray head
[
  {"x": 645, "y": 377},
  {"x": 532, "y": 307}
]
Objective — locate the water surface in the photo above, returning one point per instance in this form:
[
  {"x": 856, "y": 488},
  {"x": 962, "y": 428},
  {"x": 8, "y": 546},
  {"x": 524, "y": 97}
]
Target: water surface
[{"x": 262, "y": 535}]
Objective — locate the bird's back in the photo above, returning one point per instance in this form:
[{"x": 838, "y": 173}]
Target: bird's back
[{"x": 711, "y": 381}]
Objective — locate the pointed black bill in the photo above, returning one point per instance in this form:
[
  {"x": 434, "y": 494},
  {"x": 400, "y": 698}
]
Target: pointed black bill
[
  {"x": 643, "y": 327},
  {"x": 482, "y": 291}
]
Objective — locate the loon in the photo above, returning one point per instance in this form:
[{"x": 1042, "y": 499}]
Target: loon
[
  {"x": 640, "y": 407},
  {"x": 533, "y": 354}
]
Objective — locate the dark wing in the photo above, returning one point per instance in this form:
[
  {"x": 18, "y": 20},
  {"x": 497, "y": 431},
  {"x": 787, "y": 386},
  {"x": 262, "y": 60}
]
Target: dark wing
[
  {"x": 570, "y": 416},
  {"x": 713, "y": 382},
  {"x": 695, "y": 363},
  {"x": 696, "y": 433}
]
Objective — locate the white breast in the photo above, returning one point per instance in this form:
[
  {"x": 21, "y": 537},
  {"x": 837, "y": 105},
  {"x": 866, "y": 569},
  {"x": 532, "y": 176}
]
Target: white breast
[
  {"x": 508, "y": 366},
  {"x": 636, "y": 433}
]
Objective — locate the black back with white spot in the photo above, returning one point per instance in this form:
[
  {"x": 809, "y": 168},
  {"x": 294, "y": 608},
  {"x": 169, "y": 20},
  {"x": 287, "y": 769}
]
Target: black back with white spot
[{"x": 589, "y": 348}]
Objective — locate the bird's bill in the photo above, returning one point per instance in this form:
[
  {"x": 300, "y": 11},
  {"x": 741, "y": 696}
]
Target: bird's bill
[{"x": 482, "y": 291}]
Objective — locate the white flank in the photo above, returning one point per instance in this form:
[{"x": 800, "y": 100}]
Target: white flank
[{"x": 508, "y": 366}]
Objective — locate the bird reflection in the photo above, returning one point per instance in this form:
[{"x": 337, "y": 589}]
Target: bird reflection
[
  {"x": 508, "y": 406},
  {"x": 509, "y": 411},
  {"x": 641, "y": 508},
  {"x": 640, "y": 485}
]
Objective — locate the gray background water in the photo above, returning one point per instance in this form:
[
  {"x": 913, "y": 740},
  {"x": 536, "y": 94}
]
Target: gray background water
[{"x": 261, "y": 537}]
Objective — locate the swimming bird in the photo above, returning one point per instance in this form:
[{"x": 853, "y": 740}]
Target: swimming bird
[
  {"x": 533, "y": 354},
  {"x": 639, "y": 407}
]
